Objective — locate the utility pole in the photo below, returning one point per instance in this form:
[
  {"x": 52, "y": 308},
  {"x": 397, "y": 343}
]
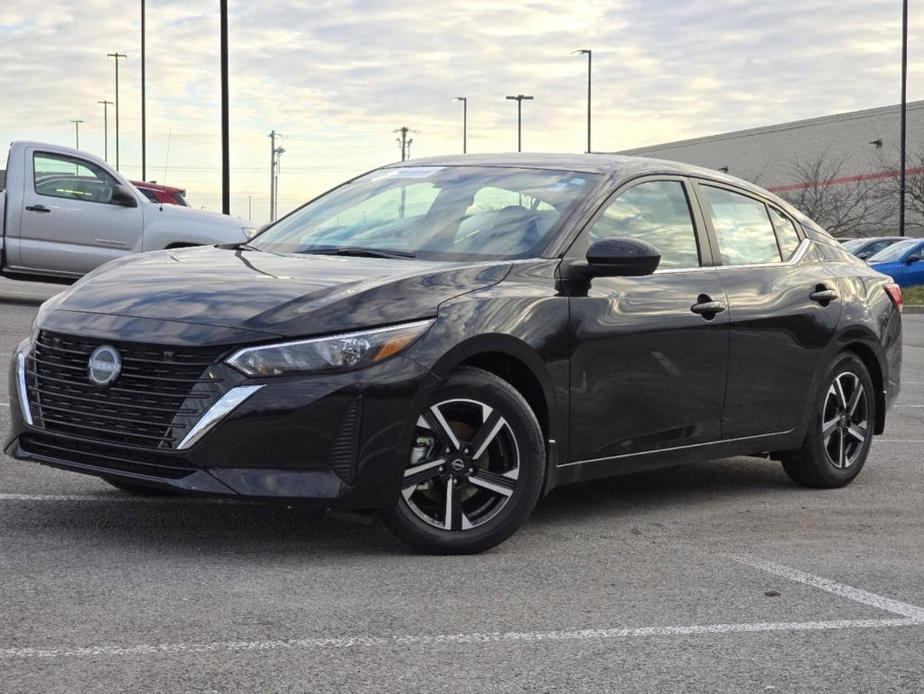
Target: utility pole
[
  {"x": 904, "y": 122},
  {"x": 589, "y": 54},
  {"x": 272, "y": 136},
  {"x": 520, "y": 98},
  {"x": 105, "y": 128},
  {"x": 404, "y": 142},
  {"x": 117, "y": 56},
  {"x": 464, "y": 101},
  {"x": 278, "y": 165},
  {"x": 144, "y": 149},
  {"x": 77, "y": 132},
  {"x": 225, "y": 146}
]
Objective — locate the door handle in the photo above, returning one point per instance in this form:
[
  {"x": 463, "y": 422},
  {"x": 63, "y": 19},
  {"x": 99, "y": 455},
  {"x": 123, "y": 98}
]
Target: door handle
[
  {"x": 37, "y": 208},
  {"x": 706, "y": 307},
  {"x": 823, "y": 295}
]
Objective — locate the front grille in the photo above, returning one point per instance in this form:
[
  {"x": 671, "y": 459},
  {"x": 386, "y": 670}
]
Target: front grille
[
  {"x": 160, "y": 393},
  {"x": 106, "y": 456}
]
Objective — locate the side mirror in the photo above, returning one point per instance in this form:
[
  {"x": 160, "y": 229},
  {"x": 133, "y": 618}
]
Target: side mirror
[
  {"x": 121, "y": 195},
  {"x": 621, "y": 257}
]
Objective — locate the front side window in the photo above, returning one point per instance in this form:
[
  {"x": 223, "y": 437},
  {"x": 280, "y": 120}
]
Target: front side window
[
  {"x": 435, "y": 212},
  {"x": 742, "y": 227},
  {"x": 658, "y": 213},
  {"x": 59, "y": 176},
  {"x": 786, "y": 234}
]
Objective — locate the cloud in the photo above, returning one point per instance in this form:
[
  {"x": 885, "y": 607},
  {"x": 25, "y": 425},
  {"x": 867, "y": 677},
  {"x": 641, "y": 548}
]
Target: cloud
[{"x": 338, "y": 77}]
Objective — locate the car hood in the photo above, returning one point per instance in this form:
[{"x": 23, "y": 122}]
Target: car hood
[
  {"x": 177, "y": 215},
  {"x": 286, "y": 295}
]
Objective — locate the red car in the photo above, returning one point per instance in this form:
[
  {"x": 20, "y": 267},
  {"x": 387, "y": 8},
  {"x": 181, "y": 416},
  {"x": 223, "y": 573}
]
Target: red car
[{"x": 167, "y": 195}]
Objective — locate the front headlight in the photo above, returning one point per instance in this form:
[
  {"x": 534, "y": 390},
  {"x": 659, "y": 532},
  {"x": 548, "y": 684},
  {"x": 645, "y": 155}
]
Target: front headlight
[{"x": 344, "y": 352}]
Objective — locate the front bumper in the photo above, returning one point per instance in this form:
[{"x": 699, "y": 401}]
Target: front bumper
[{"x": 340, "y": 440}]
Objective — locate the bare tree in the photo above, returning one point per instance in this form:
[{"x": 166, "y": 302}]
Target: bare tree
[
  {"x": 845, "y": 206},
  {"x": 914, "y": 188}
]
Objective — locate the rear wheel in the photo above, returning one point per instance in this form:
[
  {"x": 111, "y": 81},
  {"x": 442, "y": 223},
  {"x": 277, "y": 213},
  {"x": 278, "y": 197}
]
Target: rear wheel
[
  {"x": 841, "y": 431},
  {"x": 474, "y": 471}
]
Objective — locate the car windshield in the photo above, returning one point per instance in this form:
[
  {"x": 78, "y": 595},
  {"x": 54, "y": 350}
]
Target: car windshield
[
  {"x": 894, "y": 252},
  {"x": 433, "y": 212}
]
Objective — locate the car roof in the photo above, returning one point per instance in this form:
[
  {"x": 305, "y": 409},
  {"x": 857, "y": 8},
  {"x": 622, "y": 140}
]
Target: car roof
[
  {"x": 157, "y": 186},
  {"x": 617, "y": 167}
]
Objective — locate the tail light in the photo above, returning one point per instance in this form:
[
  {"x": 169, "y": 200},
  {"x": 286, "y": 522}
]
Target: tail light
[{"x": 895, "y": 294}]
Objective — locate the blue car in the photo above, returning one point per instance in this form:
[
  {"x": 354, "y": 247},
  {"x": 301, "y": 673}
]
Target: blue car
[{"x": 902, "y": 262}]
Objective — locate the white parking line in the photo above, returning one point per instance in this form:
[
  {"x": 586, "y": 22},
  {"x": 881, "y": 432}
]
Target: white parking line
[
  {"x": 317, "y": 643},
  {"x": 4, "y": 404},
  {"x": 856, "y": 594}
]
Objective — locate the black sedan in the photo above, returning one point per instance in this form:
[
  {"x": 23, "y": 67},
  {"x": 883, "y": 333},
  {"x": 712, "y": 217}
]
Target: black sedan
[{"x": 445, "y": 341}]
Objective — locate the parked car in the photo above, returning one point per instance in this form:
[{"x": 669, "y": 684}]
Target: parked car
[
  {"x": 161, "y": 194},
  {"x": 66, "y": 212},
  {"x": 901, "y": 262},
  {"x": 446, "y": 341},
  {"x": 866, "y": 248}
]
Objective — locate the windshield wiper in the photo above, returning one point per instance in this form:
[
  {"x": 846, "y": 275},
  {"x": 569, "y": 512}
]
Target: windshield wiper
[{"x": 360, "y": 252}]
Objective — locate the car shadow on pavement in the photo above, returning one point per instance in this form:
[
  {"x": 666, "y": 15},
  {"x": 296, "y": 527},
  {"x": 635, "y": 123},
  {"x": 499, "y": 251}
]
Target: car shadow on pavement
[{"x": 192, "y": 526}]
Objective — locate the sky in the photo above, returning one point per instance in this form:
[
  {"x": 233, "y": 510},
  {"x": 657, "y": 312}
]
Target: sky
[{"x": 336, "y": 78}]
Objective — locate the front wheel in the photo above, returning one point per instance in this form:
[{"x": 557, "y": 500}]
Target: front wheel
[
  {"x": 475, "y": 468},
  {"x": 841, "y": 430}
]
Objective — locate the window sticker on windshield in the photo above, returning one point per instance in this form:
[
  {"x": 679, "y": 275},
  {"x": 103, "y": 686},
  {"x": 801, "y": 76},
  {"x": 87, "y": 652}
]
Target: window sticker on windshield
[{"x": 408, "y": 172}]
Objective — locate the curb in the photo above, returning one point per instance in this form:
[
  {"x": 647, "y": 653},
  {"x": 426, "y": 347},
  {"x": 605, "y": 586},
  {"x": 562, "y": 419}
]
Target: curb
[{"x": 913, "y": 308}]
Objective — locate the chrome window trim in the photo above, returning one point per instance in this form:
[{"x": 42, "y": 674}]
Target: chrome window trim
[
  {"x": 221, "y": 409},
  {"x": 674, "y": 448},
  {"x": 794, "y": 259}
]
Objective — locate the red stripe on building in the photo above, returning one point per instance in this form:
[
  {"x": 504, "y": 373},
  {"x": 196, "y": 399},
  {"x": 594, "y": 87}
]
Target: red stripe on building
[{"x": 845, "y": 179}]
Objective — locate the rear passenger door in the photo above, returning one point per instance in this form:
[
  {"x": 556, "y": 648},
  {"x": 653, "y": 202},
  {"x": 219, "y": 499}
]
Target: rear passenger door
[{"x": 782, "y": 304}]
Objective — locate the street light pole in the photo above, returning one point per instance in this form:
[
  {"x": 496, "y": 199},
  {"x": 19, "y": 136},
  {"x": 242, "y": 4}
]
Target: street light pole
[
  {"x": 464, "y": 100},
  {"x": 272, "y": 136},
  {"x": 144, "y": 152},
  {"x": 904, "y": 121},
  {"x": 105, "y": 128},
  {"x": 117, "y": 56},
  {"x": 77, "y": 133},
  {"x": 520, "y": 98},
  {"x": 589, "y": 54},
  {"x": 225, "y": 146}
]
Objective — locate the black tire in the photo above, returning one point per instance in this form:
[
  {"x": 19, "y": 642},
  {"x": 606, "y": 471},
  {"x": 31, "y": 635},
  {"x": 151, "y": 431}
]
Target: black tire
[
  {"x": 139, "y": 489},
  {"x": 833, "y": 457},
  {"x": 479, "y": 485}
]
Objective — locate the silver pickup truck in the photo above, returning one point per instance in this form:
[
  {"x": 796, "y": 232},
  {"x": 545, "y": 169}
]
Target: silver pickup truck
[{"x": 64, "y": 212}]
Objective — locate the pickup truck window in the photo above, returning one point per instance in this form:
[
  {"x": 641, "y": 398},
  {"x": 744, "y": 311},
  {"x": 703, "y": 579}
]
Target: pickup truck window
[{"x": 60, "y": 176}]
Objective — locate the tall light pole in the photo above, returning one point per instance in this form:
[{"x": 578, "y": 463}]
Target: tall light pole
[
  {"x": 520, "y": 98},
  {"x": 105, "y": 128},
  {"x": 144, "y": 149},
  {"x": 404, "y": 141},
  {"x": 904, "y": 122},
  {"x": 464, "y": 100},
  {"x": 225, "y": 147},
  {"x": 589, "y": 54},
  {"x": 117, "y": 56},
  {"x": 77, "y": 133}
]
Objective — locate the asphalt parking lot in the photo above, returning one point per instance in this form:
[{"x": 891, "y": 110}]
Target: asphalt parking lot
[{"x": 714, "y": 577}]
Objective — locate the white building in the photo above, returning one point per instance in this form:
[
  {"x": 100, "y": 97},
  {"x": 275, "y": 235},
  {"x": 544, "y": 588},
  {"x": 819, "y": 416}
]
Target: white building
[{"x": 848, "y": 150}]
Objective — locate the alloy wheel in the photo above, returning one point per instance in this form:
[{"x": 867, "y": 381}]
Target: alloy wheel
[
  {"x": 464, "y": 465},
  {"x": 845, "y": 420}
]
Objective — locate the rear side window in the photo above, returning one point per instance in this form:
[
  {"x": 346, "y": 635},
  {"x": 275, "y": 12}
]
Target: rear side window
[
  {"x": 786, "y": 234},
  {"x": 59, "y": 176},
  {"x": 742, "y": 227},
  {"x": 656, "y": 212}
]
